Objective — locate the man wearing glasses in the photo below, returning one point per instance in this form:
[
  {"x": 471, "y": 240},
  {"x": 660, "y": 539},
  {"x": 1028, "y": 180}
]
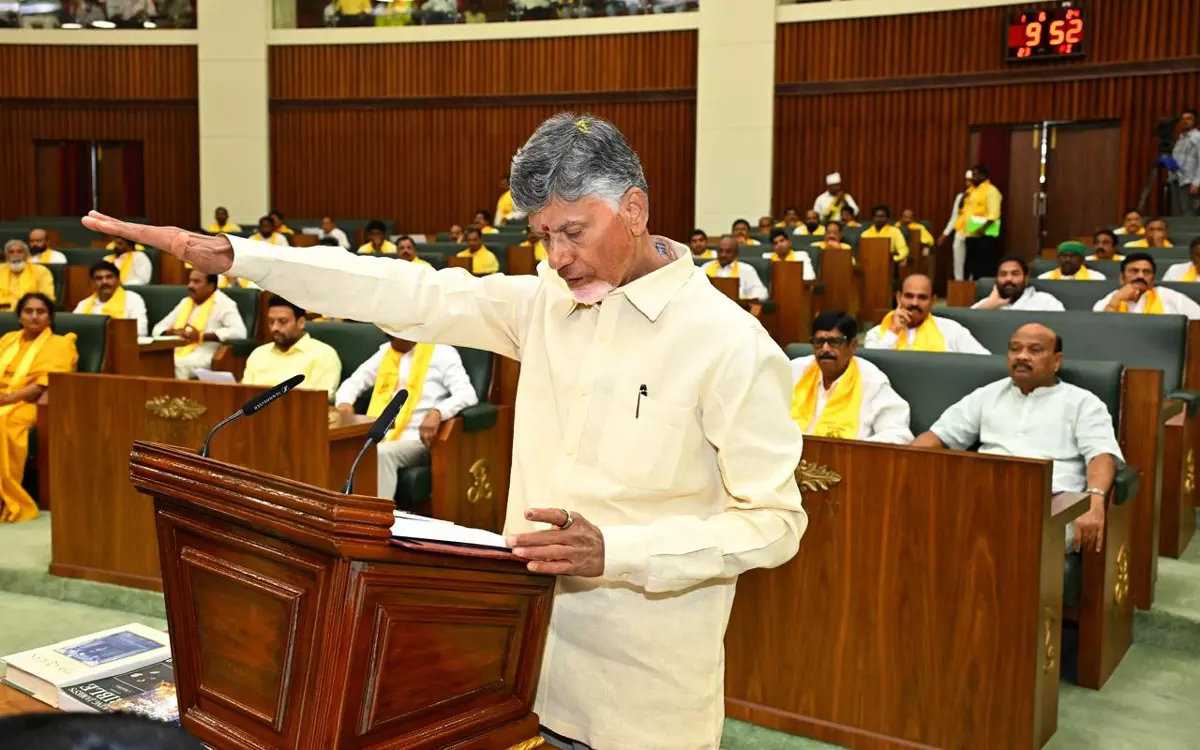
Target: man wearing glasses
[{"x": 839, "y": 395}]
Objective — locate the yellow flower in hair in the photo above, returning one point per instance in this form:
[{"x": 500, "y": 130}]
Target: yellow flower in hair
[{"x": 582, "y": 125}]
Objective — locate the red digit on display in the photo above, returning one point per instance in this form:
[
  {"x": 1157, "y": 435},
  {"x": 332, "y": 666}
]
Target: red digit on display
[
  {"x": 1033, "y": 34},
  {"x": 1075, "y": 30},
  {"x": 1056, "y": 32}
]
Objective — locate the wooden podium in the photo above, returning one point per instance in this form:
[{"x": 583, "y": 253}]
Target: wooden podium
[{"x": 296, "y": 621}]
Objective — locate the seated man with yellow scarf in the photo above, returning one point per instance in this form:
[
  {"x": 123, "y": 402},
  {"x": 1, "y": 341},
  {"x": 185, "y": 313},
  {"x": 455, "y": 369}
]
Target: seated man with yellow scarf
[
  {"x": 532, "y": 240},
  {"x": 377, "y": 242},
  {"x": 909, "y": 221},
  {"x": 832, "y": 239},
  {"x": 911, "y": 326},
  {"x": 438, "y": 389},
  {"x": 203, "y": 319},
  {"x": 1155, "y": 237},
  {"x": 782, "y": 252},
  {"x": 19, "y": 277},
  {"x": 132, "y": 262},
  {"x": 881, "y": 226},
  {"x": 838, "y": 395},
  {"x": 699, "y": 245},
  {"x": 483, "y": 261},
  {"x": 1104, "y": 246},
  {"x": 111, "y": 299},
  {"x": 221, "y": 223},
  {"x": 406, "y": 249},
  {"x": 1186, "y": 271},
  {"x": 727, "y": 266},
  {"x": 27, "y": 357},
  {"x": 1140, "y": 295},
  {"x": 1070, "y": 264}
]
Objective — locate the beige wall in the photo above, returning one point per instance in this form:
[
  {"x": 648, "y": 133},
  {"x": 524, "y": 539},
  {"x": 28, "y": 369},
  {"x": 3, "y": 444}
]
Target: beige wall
[
  {"x": 735, "y": 101},
  {"x": 234, "y": 128}
]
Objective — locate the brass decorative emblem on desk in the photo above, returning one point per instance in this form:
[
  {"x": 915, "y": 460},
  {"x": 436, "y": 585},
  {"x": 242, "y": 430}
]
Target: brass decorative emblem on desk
[
  {"x": 175, "y": 408},
  {"x": 481, "y": 487},
  {"x": 815, "y": 477}
]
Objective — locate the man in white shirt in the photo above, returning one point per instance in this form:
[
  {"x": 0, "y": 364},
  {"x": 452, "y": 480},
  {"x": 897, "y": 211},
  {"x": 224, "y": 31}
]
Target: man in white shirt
[
  {"x": 728, "y": 266},
  {"x": 840, "y": 395},
  {"x": 1140, "y": 295},
  {"x": 782, "y": 252},
  {"x": 329, "y": 229},
  {"x": 830, "y": 203},
  {"x": 111, "y": 299},
  {"x": 1012, "y": 291},
  {"x": 134, "y": 265},
  {"x": 812, "y": 224},
  {"x": 443, "y": 393},
  {"x": 956, "y": 229},
  {"x": 40, "y": 250},
  {"x": 203, "y": 319},
  {"x": 1034, "y": 415},
  {"x": 1070, "y": 264},
  {"x": 266, "y": 233},
  {"x": 912, "y": 325},
  {"x": 1189, "y": 271},
  {"x": 667, "y": 464}
]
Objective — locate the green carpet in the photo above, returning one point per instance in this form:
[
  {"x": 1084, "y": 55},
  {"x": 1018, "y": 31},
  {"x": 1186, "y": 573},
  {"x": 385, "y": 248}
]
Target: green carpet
[{"x": 1151, "y": 703}]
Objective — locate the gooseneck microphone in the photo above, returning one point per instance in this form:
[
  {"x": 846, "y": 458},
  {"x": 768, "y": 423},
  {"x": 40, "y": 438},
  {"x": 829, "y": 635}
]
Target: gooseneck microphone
[
  {"x": 376, "y": 433},
  {"x": 252, "y": 406}
]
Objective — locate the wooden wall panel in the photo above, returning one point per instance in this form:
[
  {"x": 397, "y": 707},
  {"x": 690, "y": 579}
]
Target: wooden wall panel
[
  {"x": 972, "y": 41},
  {"x": 169, "y": 134},
  {"x": 909, "y": 148},
  {"x": 429, "y": 168},
  {"x": 97, "y": 73},
  {"x": 609, "y": 63}
]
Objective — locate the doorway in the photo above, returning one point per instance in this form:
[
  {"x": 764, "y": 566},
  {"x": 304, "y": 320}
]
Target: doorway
[
  {"x": 1062, "y": 183},
  {"x": 74, "y": 177}
]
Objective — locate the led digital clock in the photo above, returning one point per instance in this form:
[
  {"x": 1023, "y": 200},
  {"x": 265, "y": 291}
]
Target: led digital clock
[{"x": 1055, "y": 34}]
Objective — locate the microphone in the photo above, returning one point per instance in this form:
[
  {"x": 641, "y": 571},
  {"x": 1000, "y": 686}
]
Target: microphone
[
  {"x": 376, "y": 433},
  {"x": 252, "y": 406}
]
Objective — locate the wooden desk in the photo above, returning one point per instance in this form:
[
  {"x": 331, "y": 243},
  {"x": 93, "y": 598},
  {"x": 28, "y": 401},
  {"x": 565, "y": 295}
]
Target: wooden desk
[
  {"x": 13, "y": 702},
  {"x": 101, "y": 529},
  {"x": 157, "y": 358}
]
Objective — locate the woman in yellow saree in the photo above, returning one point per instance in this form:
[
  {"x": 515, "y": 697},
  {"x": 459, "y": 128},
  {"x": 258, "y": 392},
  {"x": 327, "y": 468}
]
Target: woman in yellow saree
[{"x": 27, "y": 357}]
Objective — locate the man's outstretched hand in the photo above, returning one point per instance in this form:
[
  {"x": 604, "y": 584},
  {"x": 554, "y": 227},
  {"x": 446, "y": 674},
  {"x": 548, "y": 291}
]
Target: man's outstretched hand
[{"x": 208, "y": 254}]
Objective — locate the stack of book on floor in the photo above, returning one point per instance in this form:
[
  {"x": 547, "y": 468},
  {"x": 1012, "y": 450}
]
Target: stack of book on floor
[{"x": 119, "y": 669}]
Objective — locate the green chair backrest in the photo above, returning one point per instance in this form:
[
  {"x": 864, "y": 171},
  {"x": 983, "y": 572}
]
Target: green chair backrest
[
  {"x": 761, "y": 266},
  {"x": 87, "y": 256},
  {"x": 1156, "y": 342},
  {"x": 161, "y": 300},
  {"x": 1075, "y": 295},
  {"x": 354, "y": 342},
  {"x": 1189, "y": 288},
  {"x": 478, "y": 365},
  {"x": 247, "y": 303},
  {"x": 91, "y": 332},
  {"x": 58, "y": 271},
  {"x": 957, "y": 375}
]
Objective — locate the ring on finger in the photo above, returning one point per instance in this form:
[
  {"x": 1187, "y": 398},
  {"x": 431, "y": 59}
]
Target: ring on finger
[{"x": 570, "y": 520}]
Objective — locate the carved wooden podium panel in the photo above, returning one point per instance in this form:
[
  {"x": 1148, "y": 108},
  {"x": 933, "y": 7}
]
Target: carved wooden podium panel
[{"x": 296, "y": 622}]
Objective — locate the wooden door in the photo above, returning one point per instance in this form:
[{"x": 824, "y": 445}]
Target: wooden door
[
  {"x": 120, "y": 179},
  {"x": 1021, "y": 224},
  {"x": 1081, "y": 179}
]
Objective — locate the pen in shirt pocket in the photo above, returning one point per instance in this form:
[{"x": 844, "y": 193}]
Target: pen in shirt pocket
[{"x": 637, "y": 412}]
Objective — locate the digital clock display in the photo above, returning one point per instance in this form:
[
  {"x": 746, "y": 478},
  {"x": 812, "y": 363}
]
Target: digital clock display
[{"x": 1046, "y": 34}]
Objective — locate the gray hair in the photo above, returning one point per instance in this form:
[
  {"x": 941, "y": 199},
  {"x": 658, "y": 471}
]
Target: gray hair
[
  {"x": 18, "y": 243},
  {"x": 571, "y": 156}
]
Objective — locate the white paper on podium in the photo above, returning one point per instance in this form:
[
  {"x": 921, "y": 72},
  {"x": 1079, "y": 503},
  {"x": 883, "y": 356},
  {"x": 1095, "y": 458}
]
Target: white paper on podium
[{"x": 433, "y": 530}]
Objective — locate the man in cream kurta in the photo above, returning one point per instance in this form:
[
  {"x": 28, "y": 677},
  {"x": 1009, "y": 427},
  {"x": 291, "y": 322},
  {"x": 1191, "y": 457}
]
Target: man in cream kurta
[{"x": 675, "y": 456}]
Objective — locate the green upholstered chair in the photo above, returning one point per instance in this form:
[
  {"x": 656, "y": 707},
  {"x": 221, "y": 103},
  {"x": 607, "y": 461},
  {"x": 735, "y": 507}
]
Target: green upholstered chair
[
  {"x": 161, "y": 300},
  {"x": 59, "y": 272},
  {"x": 1075, "y": 295},
  {"x": 1189, "y": 288},
  {"x": 354, "y": 344},
  {"x": 1110, "y": 268},
  {"x": 247, "y": 301},
  {"x": 87, "y": 256}
]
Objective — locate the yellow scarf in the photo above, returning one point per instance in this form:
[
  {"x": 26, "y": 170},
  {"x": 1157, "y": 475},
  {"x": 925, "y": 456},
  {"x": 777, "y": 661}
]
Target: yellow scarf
[
  {"x": 1154, "y": 305},
  {"x": 223, "y": 282},
  {"x": 712, "y": 268},
  {"x": 928, "y": 338},
  {"x": 26, "y": 282},
  {"x": 775, "y": 257},
  {"x": 385, "y": 386},
  {"x": 834, "y": 212},
  {"x": 839, "y": 418},
  {"x": 960, "y": 224},
  {"x": 11, "y": 343},
  {"x": 125, "y": 266},
  {"x": 114, "y": 308},
  {"x": 1189, "y": 274},
  {"x": 44, "y": 256},
  {"x": 181, "y": 320},
  {"x": 1083, "y": 274}
]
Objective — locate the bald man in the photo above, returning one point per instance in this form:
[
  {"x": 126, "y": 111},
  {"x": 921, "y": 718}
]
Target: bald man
[
  {"x": 913, "y": 326},
  {"x": 1033, "y": 414}
]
